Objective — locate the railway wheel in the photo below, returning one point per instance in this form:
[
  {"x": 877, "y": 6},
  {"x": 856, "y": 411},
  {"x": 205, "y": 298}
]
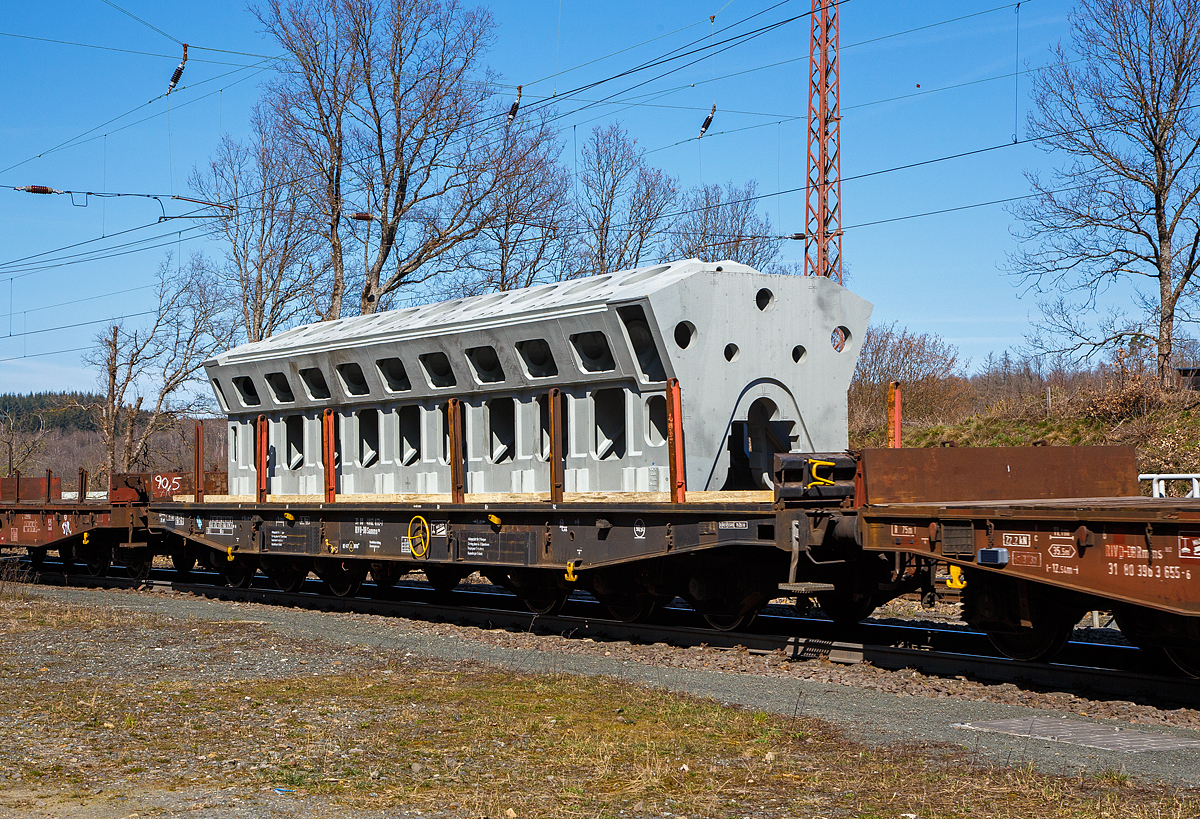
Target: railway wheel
[
  {"x": 183, "y": 562},
  {"x": 1023, "y": 620},
  {"x": 343, "y": 578},
  {"x": 444, "y": 579},
  {"x": 236, "y": 574},
  {"x": 96, "y": 560},
  {"x": 1186, "y": 659},
  {"x": 285, "y": 576},
  {"x": 1161, "y": 634},
  {"x": 546, "y": 602},
  {"x": 630, "y": 609},
  {"x": 847, "y": 607},
  {"x": 385, "y": 575},
  {"x": 138, "y": 562},
  {"x": 1040, "y": 644},
  {"x": 729, "y": 622}
]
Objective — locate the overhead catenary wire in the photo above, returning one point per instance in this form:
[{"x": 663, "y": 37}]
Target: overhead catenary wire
[
  {"x": 651, "y": 63},
  {"x": 78, "y": 139},
  {"x": 611, "y": 54},
  {"x": 106, "y": 253},
  {"x": 150, "y": 26},
  {"x": 96, "y": 297},
  {"x": 777, "y": 193},
  {"x": 728, "y": 43},
  {"x": 671, "y": 55},
  {"x": 121, "y": 50},
  {"x": 843, "y": 48},
  {"x": 6, "y": 266},
  {"x": 54, "y": 263},
  {"x": 921, "y": 93},
  {"x": 741, "y": 36},
  {"x": 45, "y": 189},
  {"x": 49, "y": 352},
  {"x": 76, "y": 324}
]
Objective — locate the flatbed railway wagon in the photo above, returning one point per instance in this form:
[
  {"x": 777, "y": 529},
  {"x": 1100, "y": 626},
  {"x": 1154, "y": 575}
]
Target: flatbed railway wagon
[{"x": 661, "y": 432}]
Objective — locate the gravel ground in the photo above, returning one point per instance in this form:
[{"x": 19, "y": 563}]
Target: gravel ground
[
  {"x": 877, "y": 705},
  {"x": 134, "y": 675},
  {"x": 550, "y": 652}
]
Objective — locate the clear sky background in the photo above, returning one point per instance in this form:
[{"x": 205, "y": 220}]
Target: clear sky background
[{"x": 89, "y": 119}]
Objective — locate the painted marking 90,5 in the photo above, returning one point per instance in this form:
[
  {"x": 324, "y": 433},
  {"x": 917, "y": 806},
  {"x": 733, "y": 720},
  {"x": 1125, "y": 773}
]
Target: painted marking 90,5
[{"x": 167, "y": 484}]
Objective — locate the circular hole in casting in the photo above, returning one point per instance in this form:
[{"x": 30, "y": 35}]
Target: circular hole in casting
[
  {"x": 839, "y": 338},
  {"x": 685, "y": 331}
]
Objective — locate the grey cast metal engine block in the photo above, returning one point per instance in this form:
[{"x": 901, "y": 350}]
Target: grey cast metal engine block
[{"x": 763, "y": 361}]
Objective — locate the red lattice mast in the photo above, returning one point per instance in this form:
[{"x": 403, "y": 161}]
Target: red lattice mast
[{"x": 823, "y": 211}]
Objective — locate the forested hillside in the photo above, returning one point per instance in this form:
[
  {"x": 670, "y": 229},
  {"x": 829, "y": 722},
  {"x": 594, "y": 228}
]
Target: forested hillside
[{"x": 57, "y": 410}]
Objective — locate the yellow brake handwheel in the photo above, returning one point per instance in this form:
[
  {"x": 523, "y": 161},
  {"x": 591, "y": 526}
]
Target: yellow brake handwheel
[{"x": 424, "y": 537}]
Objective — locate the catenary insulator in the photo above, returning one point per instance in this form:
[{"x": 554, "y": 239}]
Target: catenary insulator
[
  {"x": 707, "y": 121},
  {"x": 512, "y": 112},
  {"x": 178, "y": 71}
]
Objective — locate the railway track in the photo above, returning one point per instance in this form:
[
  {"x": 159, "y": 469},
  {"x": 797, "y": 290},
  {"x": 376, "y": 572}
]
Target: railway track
[{"x": 1095, "y": 668}]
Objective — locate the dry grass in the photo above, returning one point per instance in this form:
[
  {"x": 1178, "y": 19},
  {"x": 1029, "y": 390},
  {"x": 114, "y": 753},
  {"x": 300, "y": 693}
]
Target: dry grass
[
  {"x": 479, "y": 742},
  {"x": 1164, "y": 426},
  {"x": 22, "y": 611},
  {"x": 487, "y": 743},
  {"x": 14, "y": 580}
]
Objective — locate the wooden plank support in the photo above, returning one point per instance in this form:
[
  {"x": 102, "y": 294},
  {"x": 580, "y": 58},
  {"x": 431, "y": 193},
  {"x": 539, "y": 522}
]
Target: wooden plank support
[
  {"x": 458, "y": 453},
  {"x": 329, "y": 455},
  {"x": 675, "y": 441},
  {"x": 83, "y": 485},
  {"x": 261, "y": 429},
  {"x": 555, "y": 407},
  {"x": 199, "y": 470},
  {"x": 49, "y": 483}
]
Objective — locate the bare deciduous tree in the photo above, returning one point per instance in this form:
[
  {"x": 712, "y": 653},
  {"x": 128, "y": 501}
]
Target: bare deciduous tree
[
  {"x": 924, "y": 363},
  {"x": 528, "y": 239},
  {"x": 389, "y": 102},
  {"x": 624, "y": 203},
  {"x": 270, "y": 272},
  {"x": 723, "y": 223},
  {"x": 310, "y": 97},
  {"x": 1125, "y": 108},
  {"x": 21, "y": 442},
  {"x": 425, "y": 143},
  {"x": 145, "y": 372}
]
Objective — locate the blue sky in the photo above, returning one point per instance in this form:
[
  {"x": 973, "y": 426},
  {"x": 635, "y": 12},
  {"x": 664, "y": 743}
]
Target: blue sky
[{"x": 938, "y": 274}]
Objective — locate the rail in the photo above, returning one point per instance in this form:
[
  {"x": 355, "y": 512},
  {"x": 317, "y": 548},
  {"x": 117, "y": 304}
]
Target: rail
[
  {"x": 1096, "y": 668},
  {"x": 1158, "y": 483}
]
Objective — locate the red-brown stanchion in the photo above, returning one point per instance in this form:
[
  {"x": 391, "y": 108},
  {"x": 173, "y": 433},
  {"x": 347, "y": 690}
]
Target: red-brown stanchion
[
  {"x": 675, "y": 441},
  {"x": 261, "y": 430},
  {"x": 199, "y": 466},
  {"x": 554, "y": 407},
  {"x": 894, "y": 415},
  {"x": 329, "y": 455},
  {"x": 458, "y": 455}
]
